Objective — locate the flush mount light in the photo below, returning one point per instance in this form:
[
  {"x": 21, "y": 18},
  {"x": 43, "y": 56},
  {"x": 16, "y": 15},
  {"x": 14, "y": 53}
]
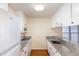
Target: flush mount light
[{"x": 39, "y": 7}]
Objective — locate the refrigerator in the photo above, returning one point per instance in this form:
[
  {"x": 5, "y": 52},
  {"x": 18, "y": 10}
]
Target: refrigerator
[{"x": 9, "y": 34}]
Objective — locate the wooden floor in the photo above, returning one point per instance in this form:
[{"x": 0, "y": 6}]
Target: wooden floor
[{"x": 39, "y": 53}]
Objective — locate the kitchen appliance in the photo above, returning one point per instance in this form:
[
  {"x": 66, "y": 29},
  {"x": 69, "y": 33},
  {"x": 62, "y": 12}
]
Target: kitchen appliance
[
  {"x": 55, "y": 42},
  {"x": 9, "y": 33}
]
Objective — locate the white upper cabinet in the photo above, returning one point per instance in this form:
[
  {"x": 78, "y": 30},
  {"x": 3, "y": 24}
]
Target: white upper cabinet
[
  {"x": 75, "y": 13},
  {"x": 65, "y": 15},
  {"x": 62, "y": 17}
]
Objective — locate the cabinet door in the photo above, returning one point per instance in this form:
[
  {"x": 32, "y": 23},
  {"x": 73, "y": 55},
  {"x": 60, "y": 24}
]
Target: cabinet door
[
  {"x": 28, "y": 49},
  {"x": 75, "y": 13},
  {"x": 51, "y": 50},
  {"x": 65, "y": 16}
]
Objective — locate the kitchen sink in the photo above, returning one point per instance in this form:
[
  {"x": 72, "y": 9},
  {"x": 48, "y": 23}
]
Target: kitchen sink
[{"x": 55, "y": 42}]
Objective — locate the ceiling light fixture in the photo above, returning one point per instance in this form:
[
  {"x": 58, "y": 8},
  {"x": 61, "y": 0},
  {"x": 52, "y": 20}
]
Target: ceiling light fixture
[{"x": 39, "y": 7}]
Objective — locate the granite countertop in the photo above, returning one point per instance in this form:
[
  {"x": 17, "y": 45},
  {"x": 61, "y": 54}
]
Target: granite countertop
[
  {"x": 25, "y": 38},
  {"x": 66, "y": 48},
  {"x": 24, "y": 43}
]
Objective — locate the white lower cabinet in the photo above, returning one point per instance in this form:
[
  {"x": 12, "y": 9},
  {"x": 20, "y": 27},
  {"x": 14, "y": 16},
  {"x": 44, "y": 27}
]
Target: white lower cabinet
[
  {"x": 27, "y": 49},
  {"x": 52, "y": 51}
]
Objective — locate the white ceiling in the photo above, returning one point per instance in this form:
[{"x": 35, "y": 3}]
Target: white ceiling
[{"x": 27, "y": 8}]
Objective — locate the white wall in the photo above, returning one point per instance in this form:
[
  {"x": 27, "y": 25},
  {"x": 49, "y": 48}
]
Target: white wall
[{"x": 39, "y": 28}]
